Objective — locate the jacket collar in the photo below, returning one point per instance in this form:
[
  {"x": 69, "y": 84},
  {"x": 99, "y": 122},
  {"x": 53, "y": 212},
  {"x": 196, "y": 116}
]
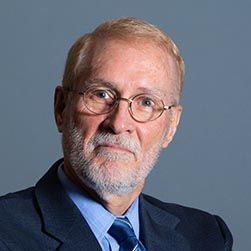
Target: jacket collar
[
  {"x": 67, "y": 229},
  {"x": 159, "y": 228},
  {"x": 62, "y": 220}
]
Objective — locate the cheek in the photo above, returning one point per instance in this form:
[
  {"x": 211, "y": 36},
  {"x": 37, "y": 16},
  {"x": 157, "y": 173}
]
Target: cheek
[
  {"x": 151, "y": 135},
  {"x": 88, "y": 124},
  {"x": 77, "y": 116}
]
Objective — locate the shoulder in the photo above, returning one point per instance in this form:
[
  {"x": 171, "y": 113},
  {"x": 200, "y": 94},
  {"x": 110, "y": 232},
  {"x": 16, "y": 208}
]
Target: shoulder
[
  {"x": 17, "y": 209},
  {"x": 182, "y": 212},
  {"x": 12, "y": 201},
  {"x": 194, "y": 222}
]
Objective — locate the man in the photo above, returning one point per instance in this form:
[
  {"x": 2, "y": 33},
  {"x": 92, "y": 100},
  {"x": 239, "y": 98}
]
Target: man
[{"x": 117, "y": 107}]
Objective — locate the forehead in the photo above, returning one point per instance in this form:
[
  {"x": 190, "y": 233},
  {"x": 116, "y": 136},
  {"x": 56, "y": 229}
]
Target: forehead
[{"x": 132, "y": 64}]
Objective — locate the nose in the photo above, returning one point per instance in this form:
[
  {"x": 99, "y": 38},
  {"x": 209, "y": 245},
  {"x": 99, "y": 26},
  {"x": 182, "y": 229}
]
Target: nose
[{"x": 120, "y": 120}]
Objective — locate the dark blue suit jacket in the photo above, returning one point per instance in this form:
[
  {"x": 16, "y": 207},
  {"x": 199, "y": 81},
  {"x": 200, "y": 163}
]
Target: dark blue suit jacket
[{"x": 44, "y": 218}]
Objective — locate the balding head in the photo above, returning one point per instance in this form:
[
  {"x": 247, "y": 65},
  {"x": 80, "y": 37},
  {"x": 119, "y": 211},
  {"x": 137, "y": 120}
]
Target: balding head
[{"x": 79, "y": 67}]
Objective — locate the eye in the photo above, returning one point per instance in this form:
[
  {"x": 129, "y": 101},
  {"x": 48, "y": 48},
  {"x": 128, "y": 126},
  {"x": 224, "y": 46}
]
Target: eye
[
  {"x": 147, "y": 102},
  {"x": 102, "y": 94}
]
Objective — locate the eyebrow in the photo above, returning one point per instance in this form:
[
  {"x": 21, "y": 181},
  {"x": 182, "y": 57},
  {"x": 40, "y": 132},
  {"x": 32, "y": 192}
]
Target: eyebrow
[
  {"x": 109, "y": 84},
  {"x": 113, "y": 85}
]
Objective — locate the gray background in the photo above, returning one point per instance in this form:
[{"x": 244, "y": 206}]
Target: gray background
[{"x": 208, "y": 164}]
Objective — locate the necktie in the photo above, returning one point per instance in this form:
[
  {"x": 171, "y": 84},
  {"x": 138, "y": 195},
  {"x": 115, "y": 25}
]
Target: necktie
[{"x": 122, "y": 231}]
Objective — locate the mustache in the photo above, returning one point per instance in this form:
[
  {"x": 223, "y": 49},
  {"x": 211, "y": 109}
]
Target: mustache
[{"x": 119, "y": 140}]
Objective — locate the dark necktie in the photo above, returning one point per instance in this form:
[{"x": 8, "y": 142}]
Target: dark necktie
[{"x": 122, "y": 231}]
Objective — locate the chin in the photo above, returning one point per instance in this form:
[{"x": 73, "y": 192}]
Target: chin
[{"x": 109, "y": 179}]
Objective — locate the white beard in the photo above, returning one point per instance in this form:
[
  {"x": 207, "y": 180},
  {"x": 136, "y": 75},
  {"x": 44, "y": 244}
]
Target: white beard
[{"x": 104, "y": 179}]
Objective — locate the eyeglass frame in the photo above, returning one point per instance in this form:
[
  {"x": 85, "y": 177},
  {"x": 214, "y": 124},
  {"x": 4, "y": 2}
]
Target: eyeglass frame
[{"x": 117, "y": 99}]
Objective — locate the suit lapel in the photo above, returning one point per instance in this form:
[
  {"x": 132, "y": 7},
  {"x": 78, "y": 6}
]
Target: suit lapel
[
  {"x": 62, "y": 220},
  {"x": 66, "y": 229},
  {"x": 158, "y": 229}
]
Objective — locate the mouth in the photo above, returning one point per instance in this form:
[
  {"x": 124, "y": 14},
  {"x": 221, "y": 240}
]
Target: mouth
[{"x": 115, "y": 148}]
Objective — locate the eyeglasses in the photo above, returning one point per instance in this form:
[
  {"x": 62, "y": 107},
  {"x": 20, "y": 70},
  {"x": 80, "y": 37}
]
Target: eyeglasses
[{"x": 100, "y": 99}]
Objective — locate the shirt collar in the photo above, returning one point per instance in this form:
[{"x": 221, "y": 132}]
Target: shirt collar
[{"x": 98, "y": 218}]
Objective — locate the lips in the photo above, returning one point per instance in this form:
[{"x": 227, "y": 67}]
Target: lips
[
  {"x": 114, "y": 144},
  {"x": 115, "y": 147}
]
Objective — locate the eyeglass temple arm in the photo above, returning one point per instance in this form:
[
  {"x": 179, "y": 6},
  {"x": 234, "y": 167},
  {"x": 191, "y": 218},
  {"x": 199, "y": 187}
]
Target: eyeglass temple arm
[{"x": 68, "y": 89}]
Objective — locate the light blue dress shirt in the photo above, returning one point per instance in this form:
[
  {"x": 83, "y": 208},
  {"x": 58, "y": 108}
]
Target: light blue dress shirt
[{"x": 98, "y": 218}]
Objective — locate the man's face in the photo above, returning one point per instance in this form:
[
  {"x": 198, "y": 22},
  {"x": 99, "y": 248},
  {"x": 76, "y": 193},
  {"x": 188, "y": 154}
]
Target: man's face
[{"x": 112, "y": 153}]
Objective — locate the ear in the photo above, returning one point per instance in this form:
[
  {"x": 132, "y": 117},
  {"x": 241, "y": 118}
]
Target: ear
[
  {"x": 174, "y": 122},
  {"x": 59, "y": 106}
]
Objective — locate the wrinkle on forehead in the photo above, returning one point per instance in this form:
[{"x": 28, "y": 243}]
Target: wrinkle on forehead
[{"x": 145, "y": 47}]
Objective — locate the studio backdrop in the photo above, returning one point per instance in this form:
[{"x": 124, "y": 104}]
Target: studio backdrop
[{"x": 207, "y": 165}]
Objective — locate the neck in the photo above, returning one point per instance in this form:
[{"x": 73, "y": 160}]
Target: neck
[
  {"x": 119, "y": 204},
  {"x": 115, "y": 204}
]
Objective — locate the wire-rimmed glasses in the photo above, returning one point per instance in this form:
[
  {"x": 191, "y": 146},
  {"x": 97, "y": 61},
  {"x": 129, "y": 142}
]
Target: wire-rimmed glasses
[{"x": 101, "y": 99}]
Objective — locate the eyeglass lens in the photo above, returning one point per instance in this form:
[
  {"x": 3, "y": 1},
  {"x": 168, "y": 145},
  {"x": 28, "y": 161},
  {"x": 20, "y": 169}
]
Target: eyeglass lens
[{"x": 142, "y": 107}]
